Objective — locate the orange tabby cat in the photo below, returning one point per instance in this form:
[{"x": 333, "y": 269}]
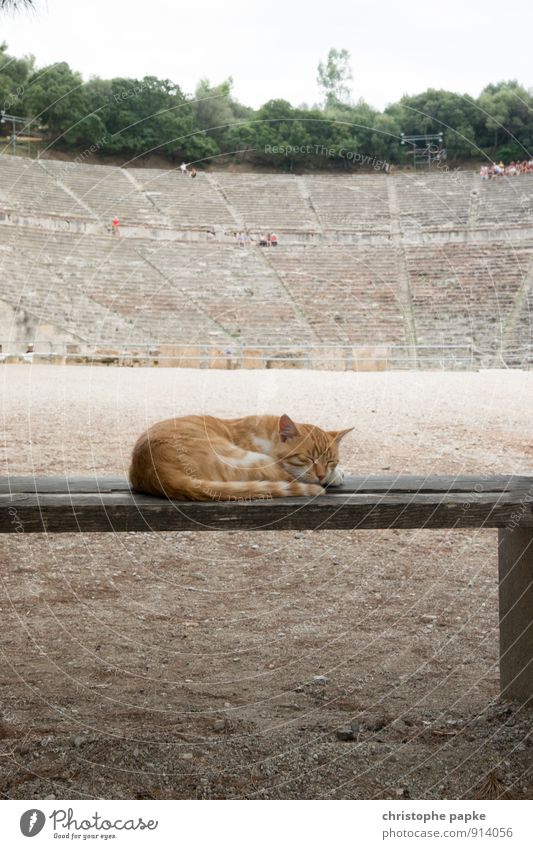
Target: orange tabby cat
[{"x": 202, "y": 458}]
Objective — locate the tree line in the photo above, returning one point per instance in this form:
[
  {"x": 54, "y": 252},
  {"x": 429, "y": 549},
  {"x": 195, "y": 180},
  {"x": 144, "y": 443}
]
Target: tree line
[{"x": 133, "y": 118}]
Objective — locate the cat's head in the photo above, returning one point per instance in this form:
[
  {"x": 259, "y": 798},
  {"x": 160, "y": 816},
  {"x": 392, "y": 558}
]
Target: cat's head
[{"x": 309, "y": 453}]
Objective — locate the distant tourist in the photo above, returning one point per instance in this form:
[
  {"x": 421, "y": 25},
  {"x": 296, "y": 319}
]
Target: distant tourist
[
  {"x": 184, "y": 168},
  {"x": 194, "y": 172},
  {"x": 273, "y": 240},
  {"x": 28, "y": 355},
  {"x": 116, "y": 227},
  {"x": 263, "y": 242}
]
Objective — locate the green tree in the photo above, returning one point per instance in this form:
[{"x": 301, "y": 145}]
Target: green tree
[
  {"x": 14, "y": 74},
  {"x": 506, "y": 119},
  {"x": 144, "y": 115},
  {"x": 279, "y": 125},
  {"x": 356, "y": 120},
  {"x": 436, "y": 111},
  {"x": 133, "y": 117},
  {"x": 385, "y": 137},
  {"x": 147, "y": 115},
  {"x": 215, "y": 112},
  {"x": 213, "y": 105},
  {"x": 55, "y": 96},
  {"x": 334, "y": 77}
]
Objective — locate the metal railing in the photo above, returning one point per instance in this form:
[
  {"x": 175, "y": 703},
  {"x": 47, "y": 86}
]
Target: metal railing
[
  {"x": 341, "y": 357},
  {"x": 329, "y": 356}
]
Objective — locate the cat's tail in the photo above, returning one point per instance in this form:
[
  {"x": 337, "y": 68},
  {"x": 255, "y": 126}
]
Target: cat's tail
[{"x": 176, "y": 485}]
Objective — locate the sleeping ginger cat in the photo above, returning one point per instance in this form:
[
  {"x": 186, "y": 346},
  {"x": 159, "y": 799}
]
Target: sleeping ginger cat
[{"x": 203, "y": 458}]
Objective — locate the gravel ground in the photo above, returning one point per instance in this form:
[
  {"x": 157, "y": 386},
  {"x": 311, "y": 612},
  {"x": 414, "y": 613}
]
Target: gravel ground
[{"x": 266, "y": 665}]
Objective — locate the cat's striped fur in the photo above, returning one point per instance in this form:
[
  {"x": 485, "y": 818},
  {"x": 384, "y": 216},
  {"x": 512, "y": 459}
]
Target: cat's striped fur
[{"x": 203, "y": 458}]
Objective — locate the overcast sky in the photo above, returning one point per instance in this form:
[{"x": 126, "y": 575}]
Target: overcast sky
[{"x": 272, "y": 49}]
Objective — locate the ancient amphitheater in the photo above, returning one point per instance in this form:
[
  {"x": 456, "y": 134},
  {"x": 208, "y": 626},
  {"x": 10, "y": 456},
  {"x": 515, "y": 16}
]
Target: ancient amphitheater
[
  {"x": 428, "y": 269},
  {"x": 237, "y": 664}
]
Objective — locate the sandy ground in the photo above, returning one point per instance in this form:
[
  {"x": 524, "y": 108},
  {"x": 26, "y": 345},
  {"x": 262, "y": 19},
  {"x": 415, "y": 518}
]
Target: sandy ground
[{"x": 232, "y": 664}]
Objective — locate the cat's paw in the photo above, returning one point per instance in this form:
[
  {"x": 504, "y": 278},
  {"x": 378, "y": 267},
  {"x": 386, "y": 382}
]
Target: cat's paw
[
  {"x": 311, "y": 489},
  {"x": 335, "y": 477}
]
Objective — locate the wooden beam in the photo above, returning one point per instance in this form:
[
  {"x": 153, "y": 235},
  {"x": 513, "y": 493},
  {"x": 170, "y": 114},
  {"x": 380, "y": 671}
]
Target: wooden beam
[
  {"x": 59, "y": 504},
  {"x": 352, "y": 483},
  {"x": 64, "y": 512},
  {"x": 515, "y": 546}
]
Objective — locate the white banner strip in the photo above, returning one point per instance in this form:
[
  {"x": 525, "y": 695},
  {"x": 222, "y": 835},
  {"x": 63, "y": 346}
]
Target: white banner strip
[{"x": 264, "y": 824}]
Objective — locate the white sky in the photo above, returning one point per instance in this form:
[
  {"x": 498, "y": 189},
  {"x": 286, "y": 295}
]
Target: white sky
[{"x": 272, "y": 49}]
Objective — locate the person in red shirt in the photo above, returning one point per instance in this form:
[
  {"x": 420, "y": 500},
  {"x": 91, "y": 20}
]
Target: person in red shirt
[
  {"x": 116, "y": 226},
  {"x": 273, "y": 240}
]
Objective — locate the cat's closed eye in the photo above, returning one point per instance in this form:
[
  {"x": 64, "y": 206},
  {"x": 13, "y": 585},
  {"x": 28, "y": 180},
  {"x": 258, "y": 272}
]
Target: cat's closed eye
[
  {"x": 299, "y": 461},
  {"x": 329, "y": 463}
]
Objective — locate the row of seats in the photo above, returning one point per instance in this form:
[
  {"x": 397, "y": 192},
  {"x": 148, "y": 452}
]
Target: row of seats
[
  {"x": 155, "y": 198},
  {"x": 103, "y": 289},
  {"x": 109, "y": 289},
  {"x": 348, "y": 295},
  {"x": 469, "y": 292},
  {"x": 350, "y": 202},
  {"x": 437, "y": 200}
]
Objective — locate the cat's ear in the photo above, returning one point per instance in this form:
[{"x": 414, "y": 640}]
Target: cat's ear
[
  {"x": 286, "y": 428},
  {"x": 338, "y": 435}
]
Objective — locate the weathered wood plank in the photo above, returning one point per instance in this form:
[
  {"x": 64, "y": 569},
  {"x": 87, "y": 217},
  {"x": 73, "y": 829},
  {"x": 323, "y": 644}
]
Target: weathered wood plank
[
  {"x": 353, "y": 483},
  {"x": 515, "y": 547},
  {"x": 62, "y": 483},
  {"x": 60, "y": 504},
  {"x": 123, "y": 511}
]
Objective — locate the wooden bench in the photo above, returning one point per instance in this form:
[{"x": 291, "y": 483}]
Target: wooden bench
[{"x": 87, "y": 504}]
